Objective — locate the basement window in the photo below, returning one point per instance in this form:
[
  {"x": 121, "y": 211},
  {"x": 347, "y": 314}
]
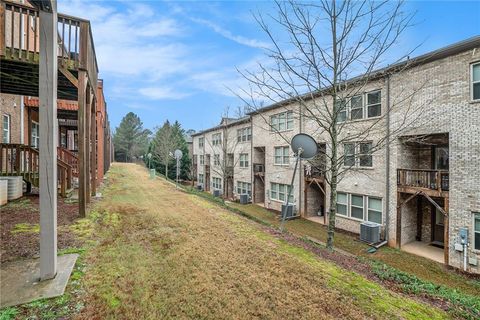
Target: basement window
[
  {"x": 476, "y": 231},
  {"x": 6, "y": 128},
  {"x": 476, "y": 81},
  {"x": 342, "y": 203}
]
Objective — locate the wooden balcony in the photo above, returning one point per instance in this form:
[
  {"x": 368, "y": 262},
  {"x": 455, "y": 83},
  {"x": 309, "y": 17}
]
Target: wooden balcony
[
  {"x": 19, "y": 51},
  {"x": 434, "y": 183}
]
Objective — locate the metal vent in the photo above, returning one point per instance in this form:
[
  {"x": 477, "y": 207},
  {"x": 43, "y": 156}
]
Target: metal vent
[{"x": 370, "y": 232}]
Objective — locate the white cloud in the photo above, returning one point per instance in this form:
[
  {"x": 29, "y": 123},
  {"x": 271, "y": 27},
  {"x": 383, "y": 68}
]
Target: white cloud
[
  {"x": 229, "y": 35},
  {"x": 157, "y": 93}
]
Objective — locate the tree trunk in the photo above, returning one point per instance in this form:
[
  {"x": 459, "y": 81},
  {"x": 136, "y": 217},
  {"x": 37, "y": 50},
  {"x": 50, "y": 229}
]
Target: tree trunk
[
  {"x": 166, "y": 170},
  {"x": 333, "y": 190}
]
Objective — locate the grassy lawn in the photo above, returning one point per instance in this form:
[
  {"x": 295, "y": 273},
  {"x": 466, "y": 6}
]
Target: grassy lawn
[
  {"x": 162, "y": 253},
  {"x": 423, "y": 268}
]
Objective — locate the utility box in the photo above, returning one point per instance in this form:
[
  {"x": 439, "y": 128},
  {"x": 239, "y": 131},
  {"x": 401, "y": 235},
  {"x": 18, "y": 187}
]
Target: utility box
[
  {"x": 244, "y": 199},
  {"x": 370, "y": 232},
  {"x": 288, "y": 211},
  {"x": 3, "y": 192},
  {"x": 463, "y": 234},
  {"x": 199, "y": 187},
  {"x": 217, "y": 193}
]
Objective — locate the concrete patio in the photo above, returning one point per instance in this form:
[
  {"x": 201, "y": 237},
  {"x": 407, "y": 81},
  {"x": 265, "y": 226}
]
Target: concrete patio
[{"x": 425, "y": 250}]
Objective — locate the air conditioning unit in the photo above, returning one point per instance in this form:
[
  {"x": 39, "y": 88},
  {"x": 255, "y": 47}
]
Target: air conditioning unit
[
  {"x": 3, "y": 192},
  {"x": 244, "y": 198},
  {"x": 217, "y": 193},
  {"x": 14, "y": 187},
  {"x": 288, "y": 211},
  {"x": 370, "y": 232},
  {"x": 200, "y": 187}
]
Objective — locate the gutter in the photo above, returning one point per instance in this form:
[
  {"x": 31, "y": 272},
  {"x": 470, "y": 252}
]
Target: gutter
[{"x": 387, "y": 160}]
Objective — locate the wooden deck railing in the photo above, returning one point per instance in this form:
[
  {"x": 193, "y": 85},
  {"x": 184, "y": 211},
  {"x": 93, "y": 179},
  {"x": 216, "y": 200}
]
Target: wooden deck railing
[
  {"x": 69, "y": 158},
  {"x": 19, "y": 38},
  {"x": 23, "y": 160},
  {"x": 428, "y": 179}
]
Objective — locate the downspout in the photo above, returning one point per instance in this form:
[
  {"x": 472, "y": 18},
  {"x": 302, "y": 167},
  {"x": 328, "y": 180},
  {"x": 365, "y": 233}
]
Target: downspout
[
  {"x": 387, "y": 160},
  {"x": 22, "y": 121},
  {"x": 252, "y": 177},
  {"x": 300, "y": 172}
]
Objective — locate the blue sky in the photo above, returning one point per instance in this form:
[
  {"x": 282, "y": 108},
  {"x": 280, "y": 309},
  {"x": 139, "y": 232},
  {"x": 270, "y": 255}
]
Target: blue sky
[{"x": 177, "y": 60}]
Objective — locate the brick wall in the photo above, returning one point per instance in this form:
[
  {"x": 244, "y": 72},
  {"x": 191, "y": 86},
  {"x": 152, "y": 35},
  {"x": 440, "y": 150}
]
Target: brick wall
[{"x": 10, "y": 105}]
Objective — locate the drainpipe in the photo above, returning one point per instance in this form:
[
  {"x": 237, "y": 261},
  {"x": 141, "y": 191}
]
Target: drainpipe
[
  {"x": 387, "y": 160},
  {"x": 300, "y": 172},
  {"x": 22, "y": 121}
]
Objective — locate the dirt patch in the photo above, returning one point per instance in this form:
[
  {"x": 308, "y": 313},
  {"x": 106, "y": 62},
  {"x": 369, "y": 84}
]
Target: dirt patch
[{"x": 19, "y": 227}]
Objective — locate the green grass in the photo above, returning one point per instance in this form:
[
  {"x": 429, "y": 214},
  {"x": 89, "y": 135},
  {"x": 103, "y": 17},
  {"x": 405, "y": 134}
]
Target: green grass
[
  {"x": 420, "y": 267},
  {"x": 25, "y": 228}
]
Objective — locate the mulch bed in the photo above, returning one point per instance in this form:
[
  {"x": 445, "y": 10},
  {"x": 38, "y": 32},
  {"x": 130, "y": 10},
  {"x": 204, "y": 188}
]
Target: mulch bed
[{"x": 26, "y": 243}]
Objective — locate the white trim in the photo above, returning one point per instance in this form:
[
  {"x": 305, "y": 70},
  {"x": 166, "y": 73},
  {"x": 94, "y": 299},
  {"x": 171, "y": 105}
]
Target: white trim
[
  {"x": 6, "y": 136},
  {"x": 471, "y": 81}
]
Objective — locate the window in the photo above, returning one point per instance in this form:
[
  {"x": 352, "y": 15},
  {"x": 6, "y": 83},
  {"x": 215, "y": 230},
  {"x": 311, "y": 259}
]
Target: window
[
  {"x": 374, "y": 105},
  {"x": 6, "y": 128},
  {"x": 244, "y": 134},
  {"x": 200, "y": 178},
  {"x": 244, "y": 188},
  {"x": 217, "y": 183},
  {"x": 360, "y": 207},
  {"x": 243, "y": 160},
  {"x": 216, "y": 139},
  {"x": 341, "y": 110},
  {"x": 342, "y": 203},
  {"x": 356, "y": 207},
  {"x": 282, "y": 121},
  {"x": 374, "y": 210},
  {"x": 476, "y": 231},
  {"x": 35, "y": 134},
  {"x": 216, "y": 159},
  {"x": 282, "y": 156},
  {"x": 476, "y": 81},
  {"x": 202, "y": 160},
  {"x": 356, "y": 108},
  {"x": 365, "y": 154},
  {"x": 357, "y": 154},
  {"x": 280, "y": 191},
  {"x": 201, "y": 142}
]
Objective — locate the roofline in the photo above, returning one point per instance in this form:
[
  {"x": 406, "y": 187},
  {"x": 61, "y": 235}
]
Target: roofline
[
  {"x": 456, "y": 48},
  {"x": 231, "y": 124}
]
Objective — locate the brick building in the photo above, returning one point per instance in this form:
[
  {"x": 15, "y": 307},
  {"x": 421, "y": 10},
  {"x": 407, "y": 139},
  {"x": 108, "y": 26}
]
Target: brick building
[{"x": 422, "y": 184}]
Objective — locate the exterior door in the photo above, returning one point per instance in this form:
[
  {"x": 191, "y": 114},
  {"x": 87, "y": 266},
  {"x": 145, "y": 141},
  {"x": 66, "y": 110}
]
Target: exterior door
[
  {"x": 441, "y": 158},
  {"x": 438, "y": 227}
]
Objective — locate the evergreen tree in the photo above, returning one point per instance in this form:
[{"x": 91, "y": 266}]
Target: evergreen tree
[{"x": 130, "y": 138}]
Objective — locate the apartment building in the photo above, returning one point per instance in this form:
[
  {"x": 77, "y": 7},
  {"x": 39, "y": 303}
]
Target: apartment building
[
  {"x": 222, "y": 157},
  {"x": 422, "y": 184}
]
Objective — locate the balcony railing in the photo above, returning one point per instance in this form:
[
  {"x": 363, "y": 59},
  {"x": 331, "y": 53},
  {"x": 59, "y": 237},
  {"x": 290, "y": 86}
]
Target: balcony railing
[{"x": 428, "y": 179}]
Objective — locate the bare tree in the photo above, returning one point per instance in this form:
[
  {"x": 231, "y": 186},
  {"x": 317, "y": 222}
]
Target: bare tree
[
  {"x": 323, "y": 56},
  {"x": 164, "y": 144}
]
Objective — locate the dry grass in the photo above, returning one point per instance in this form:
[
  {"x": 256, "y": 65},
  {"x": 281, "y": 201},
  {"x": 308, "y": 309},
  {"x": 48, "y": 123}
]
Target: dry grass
[
  {"x": 423, "y": 268},
  {"x": 163, "y": 254}
]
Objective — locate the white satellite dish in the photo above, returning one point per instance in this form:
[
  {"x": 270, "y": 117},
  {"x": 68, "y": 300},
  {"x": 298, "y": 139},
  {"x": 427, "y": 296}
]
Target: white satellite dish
[
  {"x": 178, "y": 154},
  {"x": 304, "y": 147}
]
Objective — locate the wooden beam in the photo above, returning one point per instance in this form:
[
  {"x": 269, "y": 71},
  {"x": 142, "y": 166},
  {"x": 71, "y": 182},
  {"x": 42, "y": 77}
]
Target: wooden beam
[
  {"x": 48, "y": 142},
  {"x": 446, "y": 226},
  {"x": 93, "y": 154},
  {"x": 82, "y": 87},
  {"x": 419, "y": 219},
  {"x": 69, "y": 76}
]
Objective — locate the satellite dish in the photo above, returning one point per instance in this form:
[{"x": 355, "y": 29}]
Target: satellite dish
[
  {"x": 304, "y": 146},
  {"x": 178, "y": 154}
]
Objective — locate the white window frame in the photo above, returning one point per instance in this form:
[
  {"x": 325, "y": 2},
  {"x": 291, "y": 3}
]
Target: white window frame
[
  {"x": 216, "y": 159},
  {"x": 244, "y": 134},
  {"x": 217, "y": 183},
  {"x": 201, "y": 142},
  {"x": 357, "y": 155},
  {"x": 243, "y": 160},
  {"x": 278, "y": 189},
  {"x": 365, "y": 208},
  {"x": 216, "y": 139},
  {"x": 35, "y": 135},
  {"x": 284, "y": 158},
  {"x": 473, "y": 65},
  {"x": 201, "y": 160},
  {"x": 201, "y": 178},
  {"x": 6, "y": 131},
  {"x": 476, "y": 215},
  {"x": 367, "y": 105},
  {"x": 244, "y": 188},
  {"x": 282, "y": 121},
  {"x": 347, "y": 109}
]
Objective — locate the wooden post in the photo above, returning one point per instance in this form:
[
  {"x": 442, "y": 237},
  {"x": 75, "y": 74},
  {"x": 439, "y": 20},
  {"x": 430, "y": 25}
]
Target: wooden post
[
  {"x": 446, "y": 240},
  {"x": 48, "y": 142},
  {"x": 93, "y": 154},
  {"x": 419, "y": 219},
  {"x": 29, "y": 129},
  {"x": 399, "y": 221},
  {"x": 82, "y": 87},
  {"x": 88, "y": 111}
]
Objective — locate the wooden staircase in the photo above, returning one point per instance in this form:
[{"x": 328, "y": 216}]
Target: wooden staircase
[{"x": 23, "y": 160}]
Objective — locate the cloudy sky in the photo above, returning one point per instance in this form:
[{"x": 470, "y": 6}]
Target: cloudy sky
[{"x": 177, "y": 60}]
